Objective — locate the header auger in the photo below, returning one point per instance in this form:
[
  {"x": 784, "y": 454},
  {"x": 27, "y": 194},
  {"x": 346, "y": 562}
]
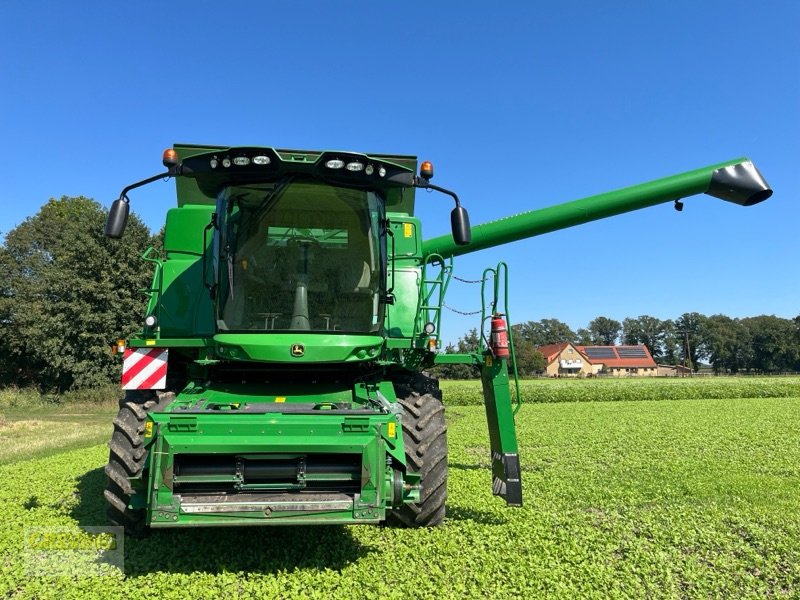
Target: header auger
[{"x": 279, "y": 377}]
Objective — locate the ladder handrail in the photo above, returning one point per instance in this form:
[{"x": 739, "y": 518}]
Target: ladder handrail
[
  {"x": 427, "y": 289},
  {"x": 496, "y": 272}
]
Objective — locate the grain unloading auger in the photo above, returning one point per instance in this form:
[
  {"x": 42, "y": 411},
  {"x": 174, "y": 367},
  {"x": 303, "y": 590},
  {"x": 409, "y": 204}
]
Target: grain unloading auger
[{"x": 279, "y": 375}]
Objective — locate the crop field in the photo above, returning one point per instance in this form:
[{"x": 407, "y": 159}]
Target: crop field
[
  {"x": 687, "y": 498},
  {"x": 645, "y": 388}
]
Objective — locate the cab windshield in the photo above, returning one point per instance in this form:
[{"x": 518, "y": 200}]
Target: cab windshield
[{"x": 299, "y": 255}]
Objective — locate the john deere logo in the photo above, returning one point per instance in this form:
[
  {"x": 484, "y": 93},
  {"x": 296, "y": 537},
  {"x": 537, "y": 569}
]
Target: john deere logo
[{"x": 298, "y": 349}]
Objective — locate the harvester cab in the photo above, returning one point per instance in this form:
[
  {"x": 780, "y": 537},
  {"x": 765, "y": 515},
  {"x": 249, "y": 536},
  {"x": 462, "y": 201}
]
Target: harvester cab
[{"x": 280, "y": 374}]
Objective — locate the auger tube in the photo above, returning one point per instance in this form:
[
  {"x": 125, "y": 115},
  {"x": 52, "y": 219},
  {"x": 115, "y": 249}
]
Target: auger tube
[{"x": 737, "y": 181}]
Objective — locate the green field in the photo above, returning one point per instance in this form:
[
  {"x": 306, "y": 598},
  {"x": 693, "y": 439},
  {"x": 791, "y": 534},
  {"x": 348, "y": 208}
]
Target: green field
[
  {"x": 644, "y": 388},
  {"x": 622, "y": 499}
]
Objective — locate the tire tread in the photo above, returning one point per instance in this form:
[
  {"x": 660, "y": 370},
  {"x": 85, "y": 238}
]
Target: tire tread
[{"x": 425, "y": 439}]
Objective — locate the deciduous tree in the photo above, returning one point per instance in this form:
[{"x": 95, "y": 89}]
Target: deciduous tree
[
  {"x": 604, "y": 331},
  {"x": 646, "y": 330},
  {"x": 68, "y": 292},
  {"x": 727, "y": 343},
  {"x": 773, "y": 344},
  {"x": 688, "y": 328},
  {"x": 546, "y": 331},
  {"x": 529, "y": 360}
]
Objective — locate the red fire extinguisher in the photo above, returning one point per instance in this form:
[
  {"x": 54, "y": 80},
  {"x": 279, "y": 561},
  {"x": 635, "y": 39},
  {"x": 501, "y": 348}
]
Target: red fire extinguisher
[{"x": 499, "y": 336}]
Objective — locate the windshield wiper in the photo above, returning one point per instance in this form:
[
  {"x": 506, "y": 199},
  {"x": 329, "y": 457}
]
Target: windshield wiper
[
  {"x": 229, "y": 260},
  {"x": 267, "y": 203},
  {"x": 273, "y": 195}
]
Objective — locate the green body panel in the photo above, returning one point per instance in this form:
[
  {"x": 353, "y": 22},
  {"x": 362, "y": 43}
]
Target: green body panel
[
  {"x": 407, "y": 241},
  {"x": 569, "y": 214},
  {"x": 183, "y": 232},
  {"x": 183, "y": 306},
  {"x": 402, "y": 315},
  {"x": 288, "y": 392},
  {"x": 405, "y": 251},
  {"x": 211, "y": 429},
  {"x": 316, "y": 347}
]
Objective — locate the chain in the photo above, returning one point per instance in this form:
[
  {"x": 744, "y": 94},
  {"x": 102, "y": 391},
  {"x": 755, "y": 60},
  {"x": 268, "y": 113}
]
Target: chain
[
  {"x": 457, "y": 278},
  {"x": 461, "y": 312},
  {"x": 462, "y": 280}
]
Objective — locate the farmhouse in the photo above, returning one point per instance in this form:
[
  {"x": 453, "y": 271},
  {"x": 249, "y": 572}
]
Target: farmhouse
[
  {"x": 565, "y": 360},
  {"x": 572, "y": 360}
]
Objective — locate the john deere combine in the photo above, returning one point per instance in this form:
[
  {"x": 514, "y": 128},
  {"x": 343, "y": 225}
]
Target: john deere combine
[{"x": 279, "y": 375}]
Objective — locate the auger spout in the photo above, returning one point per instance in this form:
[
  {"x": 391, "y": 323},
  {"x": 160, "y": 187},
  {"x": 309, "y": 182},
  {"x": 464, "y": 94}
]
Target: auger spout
[{"x": 737, "y": 181}]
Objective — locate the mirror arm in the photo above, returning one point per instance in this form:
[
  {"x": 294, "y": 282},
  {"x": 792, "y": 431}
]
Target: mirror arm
[
  {"x": 409, "y": 179},
  {"x": 133, "y": 186},
  {"x": 422, "y": 183},
  {"x": 459, "y": 219}
]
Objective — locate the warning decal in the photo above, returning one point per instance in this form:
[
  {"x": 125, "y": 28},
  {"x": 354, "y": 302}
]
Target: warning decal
[{"x": 144, "y": 369}]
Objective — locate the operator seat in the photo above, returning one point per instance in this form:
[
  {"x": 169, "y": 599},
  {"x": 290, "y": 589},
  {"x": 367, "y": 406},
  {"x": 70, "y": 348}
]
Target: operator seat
[{"x": 355, "y": 301}]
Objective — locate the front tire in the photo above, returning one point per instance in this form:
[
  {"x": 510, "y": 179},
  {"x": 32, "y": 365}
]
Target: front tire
[
  {"x": 425, "y": 440},
  {"x": 127, "y": 458}
]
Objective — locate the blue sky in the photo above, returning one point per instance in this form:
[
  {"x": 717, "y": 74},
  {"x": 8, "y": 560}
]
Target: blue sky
[{"x": 520, "y": 105}]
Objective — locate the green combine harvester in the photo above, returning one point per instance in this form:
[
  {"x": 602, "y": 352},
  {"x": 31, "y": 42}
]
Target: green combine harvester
[{"x": 279, "y": 377}]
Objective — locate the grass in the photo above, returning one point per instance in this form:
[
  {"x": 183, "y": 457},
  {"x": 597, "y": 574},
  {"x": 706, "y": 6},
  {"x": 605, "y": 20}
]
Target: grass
[
  {"x": 625, "y": 499},
  {"x": 29, "y": 398},
  {"x": 33, "y": 424},
  {"x": 41, "y": 431},
  {"x": 645, "y": 388}
]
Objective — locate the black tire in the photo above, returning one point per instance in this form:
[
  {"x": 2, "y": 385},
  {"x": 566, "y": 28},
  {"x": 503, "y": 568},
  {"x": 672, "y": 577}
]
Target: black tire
[
  {"x": 421, "y": 383},
  {"x": 425, "y": 440},
  {"x": 127, "y": 458}
]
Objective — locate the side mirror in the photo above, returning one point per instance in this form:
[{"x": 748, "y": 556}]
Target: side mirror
[
  {"x": 459, "y": 221},
  {"x": 117, "y": 219}
]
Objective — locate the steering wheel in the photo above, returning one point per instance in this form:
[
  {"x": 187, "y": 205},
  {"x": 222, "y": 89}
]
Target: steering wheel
[{"x": 300, "y": 239}]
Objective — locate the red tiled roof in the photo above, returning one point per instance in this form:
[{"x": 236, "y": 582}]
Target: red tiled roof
[
  {"x": 620, "y": 362},
  {"x": 552, "y": 350}
]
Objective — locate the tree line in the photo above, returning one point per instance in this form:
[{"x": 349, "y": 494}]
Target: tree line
[{"x": 761, "y": 344}]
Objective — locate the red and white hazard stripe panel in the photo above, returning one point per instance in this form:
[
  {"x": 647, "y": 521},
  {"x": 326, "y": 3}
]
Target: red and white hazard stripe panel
[{"x": 144, "y": 369}]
